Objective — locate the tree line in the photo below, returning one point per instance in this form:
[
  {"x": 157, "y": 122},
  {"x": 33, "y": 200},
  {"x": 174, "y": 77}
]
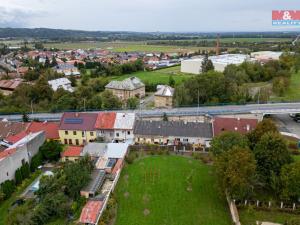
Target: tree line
[
  {"x": 58, "y": 196},
  {"x": 229, "y": 86},
  {"x": 256, "y": 164}
]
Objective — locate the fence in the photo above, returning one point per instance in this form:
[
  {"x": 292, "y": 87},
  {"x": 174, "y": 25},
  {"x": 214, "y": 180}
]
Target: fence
[
  {"x": 290, "y": 207},
  {"x": 170, "y": 148}
]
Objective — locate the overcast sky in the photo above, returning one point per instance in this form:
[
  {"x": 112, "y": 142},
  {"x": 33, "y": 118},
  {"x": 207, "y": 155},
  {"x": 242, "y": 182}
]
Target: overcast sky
[{"x": 144, "y": 15}]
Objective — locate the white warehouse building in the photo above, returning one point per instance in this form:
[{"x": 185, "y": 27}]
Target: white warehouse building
[{"x": 193, "y": 66}]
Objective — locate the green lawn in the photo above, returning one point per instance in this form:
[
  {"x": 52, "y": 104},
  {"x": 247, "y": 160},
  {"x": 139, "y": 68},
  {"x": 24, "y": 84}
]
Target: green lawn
[
  {"x": 4, "y": 206},
  {"x": 249, "y": 217},
  {"x": 158, "y": 76},
  {"x": 157, "y": 190},
  {"x": 293, "y": 92}
]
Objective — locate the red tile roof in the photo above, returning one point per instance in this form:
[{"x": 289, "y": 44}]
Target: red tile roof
[
  {"x": 72, "y": 151},
  {"x": 243, "y": 126},
  {"x": 11, "y": 128},
  {"x": 10, "y": 84},
  {"x": 118, "y": 166},
  {"x": 6, "y": 153},
  {"x": 50, "y": 128},
  {"x": 91, "y": 212},
  {"x": 105, "y": 120},
  {"x": 17, "y": 137},
  {"x": 78, "y": 121}
]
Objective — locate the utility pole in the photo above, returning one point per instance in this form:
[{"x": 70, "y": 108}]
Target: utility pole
[
  {"x": 31, "y": 105},
  {"x": 198, "y": 102}
]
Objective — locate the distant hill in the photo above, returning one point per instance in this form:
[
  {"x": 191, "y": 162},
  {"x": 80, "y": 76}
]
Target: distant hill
[{"x": 59, "y": 34}]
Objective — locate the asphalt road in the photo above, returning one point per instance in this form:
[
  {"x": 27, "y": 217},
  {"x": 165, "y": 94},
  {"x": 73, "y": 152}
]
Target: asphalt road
[
  {"x": 287, "y": 124},
  {"x": 273, "y": 108}
]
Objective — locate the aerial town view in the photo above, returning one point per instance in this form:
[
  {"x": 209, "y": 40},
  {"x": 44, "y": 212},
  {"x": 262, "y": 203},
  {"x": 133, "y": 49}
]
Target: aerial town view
[{"x": 149, "y": 112}]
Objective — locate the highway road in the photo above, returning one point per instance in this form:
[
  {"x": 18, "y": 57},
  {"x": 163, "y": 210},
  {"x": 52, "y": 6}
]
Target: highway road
[{"x": 272, "y": 108}]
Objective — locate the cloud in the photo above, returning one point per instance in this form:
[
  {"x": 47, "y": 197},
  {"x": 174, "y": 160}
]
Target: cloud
[
  {"x": 15, "y": 13},
  {"x": 143, "y": 15}
]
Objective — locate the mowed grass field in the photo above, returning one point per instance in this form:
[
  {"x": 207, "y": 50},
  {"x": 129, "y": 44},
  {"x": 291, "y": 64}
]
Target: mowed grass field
[
  {"x": 158, "y": 76},
  {"x": 249, "y": 217},
  {"x": 169, "y": 190}
]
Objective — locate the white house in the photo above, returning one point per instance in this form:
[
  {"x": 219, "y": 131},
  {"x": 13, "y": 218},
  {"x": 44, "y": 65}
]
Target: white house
[
  {"x": 117, "y": 127},
  {"x": 123, "y": 127},
  {"x": 63, "y": 83},
  {"x": 18, "y": 154}
]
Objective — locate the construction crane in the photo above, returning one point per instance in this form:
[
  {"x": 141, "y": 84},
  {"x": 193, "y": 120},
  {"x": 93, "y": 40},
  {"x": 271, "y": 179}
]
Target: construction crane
[
  {"x": 218, "y": 45},
  {"x": 294, "y": 42}
]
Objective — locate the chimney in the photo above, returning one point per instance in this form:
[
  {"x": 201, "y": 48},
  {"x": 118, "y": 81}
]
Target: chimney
[{"x": 248, "y": 127}]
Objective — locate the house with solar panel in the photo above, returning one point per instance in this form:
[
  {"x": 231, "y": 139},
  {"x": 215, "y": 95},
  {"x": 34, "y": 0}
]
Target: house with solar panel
[{"x": 77, "y": 128}]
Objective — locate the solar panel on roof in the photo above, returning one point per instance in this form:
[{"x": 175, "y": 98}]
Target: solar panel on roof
[
  {"x": 73, "y": 121},
  {"x": 111, "y": 163}
]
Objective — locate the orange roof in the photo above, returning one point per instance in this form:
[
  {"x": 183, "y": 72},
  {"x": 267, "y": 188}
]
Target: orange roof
[
  {"x": 6, "y": 153},
  {"x": 118, "y": 166},
  {"x": 91, "y": 212},
  {"x": 17, "y": 137},
  {"x": 72, "y": 151},
  {"x": 50, "y": 128},
  {"x": 105, "y": 120}
]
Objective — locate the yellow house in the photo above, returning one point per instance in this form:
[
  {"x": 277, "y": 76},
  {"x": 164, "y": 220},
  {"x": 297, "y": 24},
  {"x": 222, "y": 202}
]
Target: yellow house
[
  {"x": 71, "y": 153},
  {"x": 77, "y": 128}
]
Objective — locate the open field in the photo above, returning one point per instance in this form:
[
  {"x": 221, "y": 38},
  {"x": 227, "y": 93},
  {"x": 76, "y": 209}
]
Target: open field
[
  {"x": 171, "y": 190},
  {"x": 251, "y": 40},
  {"x": 4, "y": 206},
  {"x": 293, "y": 92},
  {"x": 158, "y": 76},
  {"x": 249, "y": 217},
  {"x": 121, "y": 46}
]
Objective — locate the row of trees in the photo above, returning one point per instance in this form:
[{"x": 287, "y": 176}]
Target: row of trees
[
  {"x": 229, "y": 86},
  {"x": 258, "y": 161},
  {"x": 58, "y": 195},
  {"x": 260, "y": 45},
  {"x": 98, "y": 69}
]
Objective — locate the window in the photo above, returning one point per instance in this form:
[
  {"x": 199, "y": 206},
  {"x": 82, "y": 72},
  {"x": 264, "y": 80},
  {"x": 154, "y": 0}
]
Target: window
[
  {"x": 82, "y": 133},
  {"x": 77, "y": 142},
  {"x": 66, "y": 132},
  {"x": 128, "y": 132},
  {"x": 92, "y": 134},
  {"x": 117, "y": 134},
  {"x": 66, "y": 141},
  {"x": 74, "y": 132},
  {"x": 7, "y": 174},
  {"x": 23, "y": 161},
  {"x": 70, "y": 141}
]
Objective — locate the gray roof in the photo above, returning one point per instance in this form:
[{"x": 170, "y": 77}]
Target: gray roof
[
  {"x": 173, "y": 128},
  {"x": 131, "y": 83},
  {"x": 97, "y": 179},
  {"x": 165, "y": 91},
  {"x": 94, "y": 149}
]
